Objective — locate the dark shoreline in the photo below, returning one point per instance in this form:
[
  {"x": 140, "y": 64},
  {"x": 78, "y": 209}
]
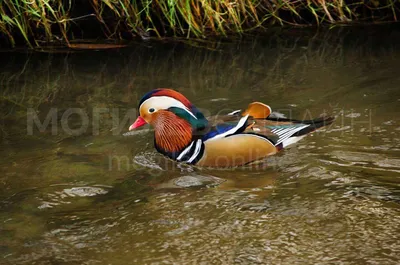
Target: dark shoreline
[{"x": 64, "y": 24}]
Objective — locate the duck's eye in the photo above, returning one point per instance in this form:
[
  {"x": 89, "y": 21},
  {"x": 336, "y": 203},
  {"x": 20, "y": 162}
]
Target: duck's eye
[{"x": 151, "y": 110}]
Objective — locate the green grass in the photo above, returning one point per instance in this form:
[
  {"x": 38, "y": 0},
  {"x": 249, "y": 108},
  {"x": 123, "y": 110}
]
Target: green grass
[{"x": 39, "y": 22}]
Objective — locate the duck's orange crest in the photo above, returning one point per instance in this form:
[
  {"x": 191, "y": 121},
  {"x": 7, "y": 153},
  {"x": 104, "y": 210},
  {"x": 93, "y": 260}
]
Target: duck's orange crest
[{"x": 173, "y": 94}]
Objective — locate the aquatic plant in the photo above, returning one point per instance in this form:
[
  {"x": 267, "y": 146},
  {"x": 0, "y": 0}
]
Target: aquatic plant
[{"x": 38, "y": 22}]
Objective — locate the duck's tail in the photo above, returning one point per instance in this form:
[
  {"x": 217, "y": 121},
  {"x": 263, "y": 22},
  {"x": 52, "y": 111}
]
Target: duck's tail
[
  {"x": 300, "y": 129},
  {"x": 314, "y": 124}
]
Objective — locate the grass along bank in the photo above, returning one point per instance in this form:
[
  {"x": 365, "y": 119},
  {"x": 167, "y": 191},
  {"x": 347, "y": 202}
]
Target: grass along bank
[{"x": 41, "y": 22}]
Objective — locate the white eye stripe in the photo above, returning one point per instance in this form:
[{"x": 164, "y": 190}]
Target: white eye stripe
[{"x": 165, "y": 102}]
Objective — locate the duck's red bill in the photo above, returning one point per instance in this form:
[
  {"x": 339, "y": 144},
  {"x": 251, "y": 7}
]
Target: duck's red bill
[{"x": 138, "y": 123}]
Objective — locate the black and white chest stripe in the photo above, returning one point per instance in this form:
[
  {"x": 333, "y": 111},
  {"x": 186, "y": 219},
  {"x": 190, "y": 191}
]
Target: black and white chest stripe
[{"x": 192, "y": 153}]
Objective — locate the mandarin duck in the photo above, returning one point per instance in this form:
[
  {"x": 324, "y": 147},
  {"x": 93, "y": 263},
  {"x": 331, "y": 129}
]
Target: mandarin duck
[{"x": 182, "y": 133}]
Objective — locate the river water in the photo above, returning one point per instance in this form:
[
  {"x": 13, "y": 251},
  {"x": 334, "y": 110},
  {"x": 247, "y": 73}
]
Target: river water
[{"x": 78, "y": 189}]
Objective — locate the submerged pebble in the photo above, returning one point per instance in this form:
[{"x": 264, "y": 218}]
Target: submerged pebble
[
  {"x": 196, "y": 180},
  {"x": 191, "y": 181},
  {"x": 84, "y": 191}
]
